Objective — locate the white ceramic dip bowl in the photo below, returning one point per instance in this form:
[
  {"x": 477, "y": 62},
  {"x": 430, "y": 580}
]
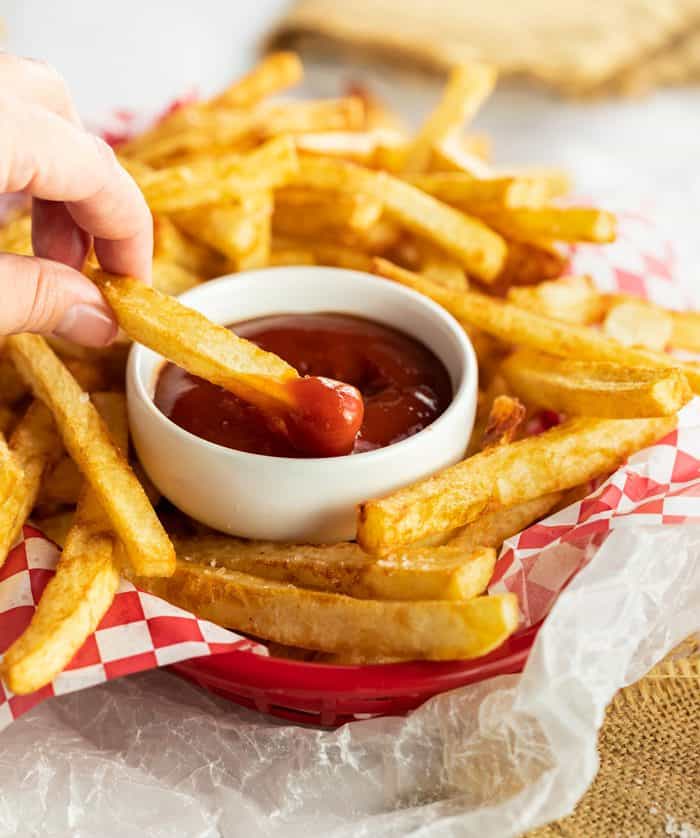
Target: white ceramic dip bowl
[{"x": 282, "y": 498}]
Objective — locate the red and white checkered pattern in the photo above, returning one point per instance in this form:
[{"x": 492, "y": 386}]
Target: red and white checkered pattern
[
  {"x": 660, "y": 485},
  {"x": 140, "y": 631}
]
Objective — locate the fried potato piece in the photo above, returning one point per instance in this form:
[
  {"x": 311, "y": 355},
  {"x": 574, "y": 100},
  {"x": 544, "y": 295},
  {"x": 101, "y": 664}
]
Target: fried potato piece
[
  {"x": 492, "y": 528},
  {"x": 422, "y": 573},
  {"x": 467, "y": 191},
  {"x": 634, "y": 323},
  {"x": 34, "y": 445},
  {"x": 432, "y": 630},
  {"x": 57, "y": 526},
  {"x": 478, "y": 249},
  {"x": 259, "y": 254},
  {"x": 62, "y": 484},
  {"x": 364, "y": 147},
  {"x": 90, "y": 375},
  {"x": 10, "y": 471},
  {"x": 231, "y": 228},
  {"x": 441, "y": 268},
  {"x": 172, "y": 279},
  {"x": 531, "y": 264},
  {"x": 301, "y": 212},
  {"x": 591, "y": 388},
  {"x": 468, "y": 86},
  {"x": 573, "y": 299},
  {"x": 88, "y": 442},
  {"x": 203, "y": 348},
  {"x": 567, "y": 224},
  {"x": 686, "y": 330},
  {"x": 504, "y": 419},
  {"x": 82, "y": 588},
  {"x": 518, "y": 326},
  {"x": 16, "y": 235},
  {"x": 173, "y": 247},
  {"x": 558, "y": 459},
  {"x": 12, "y": 386},
  {"x": 229, "y": 177},
  {"x": 274, "y": 73}
]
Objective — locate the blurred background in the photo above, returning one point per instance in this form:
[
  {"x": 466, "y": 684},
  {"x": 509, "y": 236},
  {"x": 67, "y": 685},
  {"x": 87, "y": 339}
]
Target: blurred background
[{"x": 607, "y": 89}]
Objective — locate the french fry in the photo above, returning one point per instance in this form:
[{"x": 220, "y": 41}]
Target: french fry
[
  {"x": 305, "y": 213},
  {"x": 467, "y": 191},
  {"x": 209, "y": 133},
  {"x": 421, "y": 573},
  {"x": 528, "y": 264},
  {"x": 468, "y": 86},
  {"x": 339, "y": 256},
  {"x": 172, "y": 246},
  {"x": 573, "y": 299},
  {"x": 259, "y": 254},
  {"x": 439, "y": 267},
  {"x": 558, "y": 459},
  {"x": 492, "y": 528},
  {"x": 567, "y": 224},
  {"x": 62, "y": 484},
  {"x": 686, "y": 330},
  {"x": 504, "y": 419},
  {"x": 363, "y": 147},
  {"x": 203, "y": 348},
  {"x": 231, "y": 228},
  {"x": 89, "y": 374},
  {"x": 171, "y": 278},
  {"x": 57, "y": 526},
  {"x": 230, "y": 177},
  {"x": 16, "y": 235},
  {"x": 88, "y": 442},
  {"x": 432, "y": 630},
  {"x": 81, "y": 590},
  {"x": 518, "y": 326},
  {"x": 634, "y": 323},
  {"x": 33, "y": 445},
  {"x": 594, "y": 388},
  {"x": 478, "y": 249}
]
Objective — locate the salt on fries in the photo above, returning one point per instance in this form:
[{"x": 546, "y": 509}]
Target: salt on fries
[{"x": 240, "y": 181}]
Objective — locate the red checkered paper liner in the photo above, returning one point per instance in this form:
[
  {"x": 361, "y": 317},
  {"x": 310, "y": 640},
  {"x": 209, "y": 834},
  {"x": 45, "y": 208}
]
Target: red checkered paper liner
[
  {"x": 660, "y": 485},
  {"x": 140, "y": 631}
]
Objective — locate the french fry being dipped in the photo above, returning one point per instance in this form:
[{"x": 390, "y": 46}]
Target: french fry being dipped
[{"x": 320, "y": 416}]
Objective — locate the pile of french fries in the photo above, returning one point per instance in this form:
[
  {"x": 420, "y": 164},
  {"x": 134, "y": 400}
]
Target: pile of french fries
[{"x": 244, "y": 181}]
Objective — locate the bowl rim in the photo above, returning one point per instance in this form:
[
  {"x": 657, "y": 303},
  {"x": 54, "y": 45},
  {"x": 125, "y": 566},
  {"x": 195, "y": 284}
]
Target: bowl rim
[{"x": 469, "y": 375}]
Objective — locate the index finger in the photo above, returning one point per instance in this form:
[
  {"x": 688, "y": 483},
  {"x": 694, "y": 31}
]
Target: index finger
[{"x": 53, "y": 159}]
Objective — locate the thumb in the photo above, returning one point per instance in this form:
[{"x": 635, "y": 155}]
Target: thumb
[{"x": 47, "y": 297}]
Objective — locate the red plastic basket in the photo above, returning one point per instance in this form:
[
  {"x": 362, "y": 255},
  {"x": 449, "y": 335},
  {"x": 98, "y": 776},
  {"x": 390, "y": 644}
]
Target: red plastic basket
[{"x": 329, "y": 696}]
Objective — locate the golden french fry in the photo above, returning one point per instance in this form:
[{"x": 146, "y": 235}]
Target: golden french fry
[
  {"x": 57, "y": 526},
  {"x": 88, "y": 442},
  {"x": 686, "y": 330},
  {"x": 441, "y": 268},
  {"x": 466, "y": 191},
  {"x": 81, "y": 590},
  {"x": 574, "y": 299},
  {"x": 468, "y": 86},
  {"x": 433, "y": 629},
  {"x": 443, "y": 572},
  {"x": 301, "y": 212},
  {"x": 230, "y": 177},
  {"x": 171, "y": 278},
  {"x": 16, "y": 235},
  {"x": 90, "y": 375},
  {"x": 504, "y": 419},
  {"x": 230, "y": 228},
  {"x": 339, "y": 256},
  {"x": 34, "y": 445},
  {"x": 190, "y": 340},
  {"x": 492, "y": 528},
  {"x": 594, "y": 388},
  {"x": 291, "y": 255},
  {"x": 62, "y": 484},
  {"x": 363, "y": 147},
  {"x": 568, "y": 224},
  {"x": 259, "y": 254},
  {"x": 518, "y": 326},
  {"x": 528, "y": 264},
  {"x": 478, "y": 249},
  {"x": 638, "y": 324},
  {"x": 172, "y": 246},
  {"x": 560, "y": 458}
]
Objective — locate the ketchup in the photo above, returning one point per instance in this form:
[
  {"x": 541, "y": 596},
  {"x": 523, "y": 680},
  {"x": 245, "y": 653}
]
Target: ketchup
[{"x": 404, "y": 387}]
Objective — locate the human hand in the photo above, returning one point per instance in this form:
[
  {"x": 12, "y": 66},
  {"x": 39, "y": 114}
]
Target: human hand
[{"x": 80, "y": 194}]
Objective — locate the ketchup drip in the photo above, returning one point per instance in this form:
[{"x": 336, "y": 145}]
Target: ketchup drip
[{"x": 403, "y": 384}]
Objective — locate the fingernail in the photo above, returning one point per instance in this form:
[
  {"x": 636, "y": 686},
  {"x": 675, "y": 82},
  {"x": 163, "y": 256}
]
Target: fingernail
[{"x": 88, "y": 325}]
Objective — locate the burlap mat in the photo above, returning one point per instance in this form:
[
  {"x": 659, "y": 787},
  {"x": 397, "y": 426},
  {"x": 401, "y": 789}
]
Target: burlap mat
[
  {"x": 649, "y": 746},
  {"x": 580, "y": 47}
]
